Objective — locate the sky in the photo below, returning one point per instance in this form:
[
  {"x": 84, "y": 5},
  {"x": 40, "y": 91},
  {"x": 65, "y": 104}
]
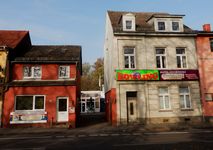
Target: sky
[{"x": 82, "y": 22}]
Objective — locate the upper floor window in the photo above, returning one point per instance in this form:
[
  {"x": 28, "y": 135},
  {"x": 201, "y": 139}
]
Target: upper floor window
[
  {"x": 175, "y": 26},
  {"x": 64, "y": 71},
  {"x": 161, "y": 26},
  {"x": 160, "y": 58},
  {"x": 35, "y": 102},
  {"x": 211, "y": 44},
  {"x": 32, "y": 72},
  {"x": 129, "y": 57},
  {"x": 185, "y": 102},
  {"x": 164, "y": 98},
  {"x": 181, "y": 58},
  {"x": 128, "y": 24}
]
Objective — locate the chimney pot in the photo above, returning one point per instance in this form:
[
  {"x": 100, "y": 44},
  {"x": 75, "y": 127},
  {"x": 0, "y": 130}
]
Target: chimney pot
[{"x": 207, "y": 27}]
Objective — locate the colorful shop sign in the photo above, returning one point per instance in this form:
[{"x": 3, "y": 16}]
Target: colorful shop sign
[
  {"x": 184, "y": 75},
  {"x": 137, "y": 75}
]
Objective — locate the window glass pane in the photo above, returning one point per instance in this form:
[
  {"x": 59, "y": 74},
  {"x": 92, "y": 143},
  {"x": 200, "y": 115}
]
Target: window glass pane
[
  {"x": 184, "y": 61},
  {"x": 160, "y": 51},
  {"x": 24, "y": 102},
  {"x": 208, "y": 97},
  {"x": 131, "y": 109},
  {"x": 211, "y": 44},
  {"x": 27, "y": 71},
  {"x": 163, "y": 62},
  {"x": 126, "y": 61},
  {"x": 39, "y": 102},
  {"x": 128, "y": 50},
  {"x": 180, "y": 51},
  {"x": 64, "y": 71},
  {"x": 184, "y": 90},
  {"x": 132, "y": 61},
  {"x": 163, "y": 90},
  {"x": 182, "y": 104},
  {"x": 167, "y": 102},
  {"x": 161, "y": 102},
  {"x": 128, "y": 24},
  {"x": 188, "y": 104},
  {"x": 37, "y": 72},
  {"x": 62, "y": 105},
  {"x": 175, "y": 26},
  {"x": 158, "y": 61},
  {"x": 178, "y": 62},
  {"x": 161, "y": 25}
]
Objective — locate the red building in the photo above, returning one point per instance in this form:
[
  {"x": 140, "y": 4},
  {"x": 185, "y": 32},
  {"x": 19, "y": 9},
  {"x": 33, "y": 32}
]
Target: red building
[
  {"x": 205, "y": 61},
  {"x": 44, "y": 88}
]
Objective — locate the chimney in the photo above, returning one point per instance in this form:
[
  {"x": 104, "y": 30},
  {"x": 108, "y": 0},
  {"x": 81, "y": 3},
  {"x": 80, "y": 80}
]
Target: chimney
[{"x": 207, "y": 27}]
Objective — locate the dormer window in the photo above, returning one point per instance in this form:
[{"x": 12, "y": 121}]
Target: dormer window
[
  {"x": 175, "y": 26},
  {"x": 128, "y": 21},
  {"x": 128, "y": 24},
  {"x": 161, "y": 26}
]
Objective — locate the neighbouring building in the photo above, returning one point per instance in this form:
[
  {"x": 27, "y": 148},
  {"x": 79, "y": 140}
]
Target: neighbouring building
[
  {"x": 205, "y": 63},
  {"x": 151, "y": 71},
  {"x": 92, "y": 101},
  {"x": 44, "y": 87},
  {"x": 12, "y": 44}
]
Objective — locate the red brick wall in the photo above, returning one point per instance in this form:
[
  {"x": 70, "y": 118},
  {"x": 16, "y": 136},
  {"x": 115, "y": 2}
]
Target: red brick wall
[
  {"x": 51, "y": 93},
  {"x": 205, "y": 71}
]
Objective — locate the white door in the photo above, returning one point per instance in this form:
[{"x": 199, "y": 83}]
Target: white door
[
  {"x": 62, "y": 109},
  {"x": 132, "y": 111}
]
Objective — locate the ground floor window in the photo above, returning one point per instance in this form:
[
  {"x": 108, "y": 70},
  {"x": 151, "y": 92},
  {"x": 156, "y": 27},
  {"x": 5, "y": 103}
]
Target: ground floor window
[
  {"x": 34, "y": 102},
  {"x": 185, "y": 102},
  {"x": 164, "y": 98}
]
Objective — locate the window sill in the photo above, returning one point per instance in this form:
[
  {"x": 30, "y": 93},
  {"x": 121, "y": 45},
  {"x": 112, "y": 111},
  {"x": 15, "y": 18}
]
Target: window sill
[
  {"x": 167, "y": 110},
  {"x": 187, "y": 109}
]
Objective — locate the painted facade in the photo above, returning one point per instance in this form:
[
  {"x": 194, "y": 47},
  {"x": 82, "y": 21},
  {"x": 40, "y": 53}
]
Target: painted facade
[
  {"x": 157, "y": 44},
  {"x": 44, "y": 89},
  {"x": 205, "y": 61}
]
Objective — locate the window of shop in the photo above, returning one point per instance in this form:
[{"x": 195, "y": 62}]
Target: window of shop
[
  {"x": 129, "y": 57},
  {"x": 64, "y": 72},
  {"x": 35, "y": 102},
  {"x": 164, "y": 98},
  {"x": 181, "y": 58},
  {"x": 185, "y": 102},
  {"x": 160, "y": 58},
  {"x": 211, "y": 44},
  {"x": 32, "y": 72}
]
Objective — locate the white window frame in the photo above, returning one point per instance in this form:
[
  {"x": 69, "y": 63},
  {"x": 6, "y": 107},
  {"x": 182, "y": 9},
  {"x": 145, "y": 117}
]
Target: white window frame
[
  {"x": 158, "y": 25},
  {"x": 33, "y": 109},
  {"x": 68, "y": 72},
  {"x": 129, "y": 57},
  {"x": 32, "y": 68},
  {"x": 184, "y": 95},
  {"x": 161, "y": 58},
  {"x": 164, "y": 99},
  {"x": 181, "y": 57},
  {"x": 178, "y": 26}
]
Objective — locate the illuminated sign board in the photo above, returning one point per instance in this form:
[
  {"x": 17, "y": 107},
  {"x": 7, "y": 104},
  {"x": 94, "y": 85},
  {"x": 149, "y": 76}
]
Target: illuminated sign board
[
  {"x": 184, "y": 75},
  {"x": 124, "y": 75}
]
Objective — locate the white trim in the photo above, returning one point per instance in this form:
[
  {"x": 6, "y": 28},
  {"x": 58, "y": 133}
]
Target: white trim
[
  {"x": 32, "y": 72},
  {"x": 129, "y": 57},
  {"x": 184, "y": 96},
  {"x": 181, "y": 57},
  {"x": 68, "y": 72},
  {"x": 57, "y": 108},
  {"x": 164, "y": 95},
  {"x": 161, "y": 55}
]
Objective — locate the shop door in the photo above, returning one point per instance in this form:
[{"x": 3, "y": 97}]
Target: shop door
[
  {"x": 62, "y": 109},
  {"x": 132, "y": 107}
]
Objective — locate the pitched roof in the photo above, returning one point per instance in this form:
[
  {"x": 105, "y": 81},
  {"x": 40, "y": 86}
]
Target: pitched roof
[
  {"x": 52, "y": 53},
  {"x": 141, "y": 19},
  {"x": 11, "y": 38}
]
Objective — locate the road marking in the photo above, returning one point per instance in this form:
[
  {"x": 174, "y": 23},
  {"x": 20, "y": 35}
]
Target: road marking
[
  {"x": 166, "y": 133},
  {"x": 115, "y": 134},
  {"x": 136, "y": 134},
  {"x": 81, "y": 135},
  {"x": 93, "y": 135},
  {"x": 103, "y": 134}
]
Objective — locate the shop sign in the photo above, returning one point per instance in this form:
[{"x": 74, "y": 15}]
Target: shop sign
[
  {"x": 132, "y": 75},
  {"x": 185, "y": 75}
]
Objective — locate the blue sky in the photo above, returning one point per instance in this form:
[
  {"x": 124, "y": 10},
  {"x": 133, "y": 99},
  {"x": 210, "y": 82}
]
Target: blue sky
[{"x": 82, "y": 22}]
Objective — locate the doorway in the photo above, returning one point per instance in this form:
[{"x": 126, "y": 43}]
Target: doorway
[
  {"x": 62, "y": 109},
  {"x": 131, "y": 98}
]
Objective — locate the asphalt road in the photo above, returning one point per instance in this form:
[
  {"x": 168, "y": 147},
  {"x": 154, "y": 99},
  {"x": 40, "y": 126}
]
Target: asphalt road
[{"x": 111, "y": 141}]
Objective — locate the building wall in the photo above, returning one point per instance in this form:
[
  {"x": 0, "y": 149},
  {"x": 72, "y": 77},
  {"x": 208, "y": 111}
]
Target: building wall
[
  {"x": 51, "y": 93},
  {"x": 205, "y": 60}
]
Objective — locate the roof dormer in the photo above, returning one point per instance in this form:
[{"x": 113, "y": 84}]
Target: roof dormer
[{"x": 128, "y": 21}]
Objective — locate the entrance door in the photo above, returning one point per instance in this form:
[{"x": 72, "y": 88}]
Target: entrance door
[
  {"x": 132, "y": 106},
  {"x": 62, "y": 109}
]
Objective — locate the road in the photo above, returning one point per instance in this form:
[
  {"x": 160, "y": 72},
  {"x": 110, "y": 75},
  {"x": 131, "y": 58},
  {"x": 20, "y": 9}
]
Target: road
[{"x": 110, "y": 141}]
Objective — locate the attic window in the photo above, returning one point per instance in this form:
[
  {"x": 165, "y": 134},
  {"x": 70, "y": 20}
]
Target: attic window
[
  {"x": 128, "y": 24},
  {"x": 175, "y": 26},
  {"x": 161, "y": 26}
]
